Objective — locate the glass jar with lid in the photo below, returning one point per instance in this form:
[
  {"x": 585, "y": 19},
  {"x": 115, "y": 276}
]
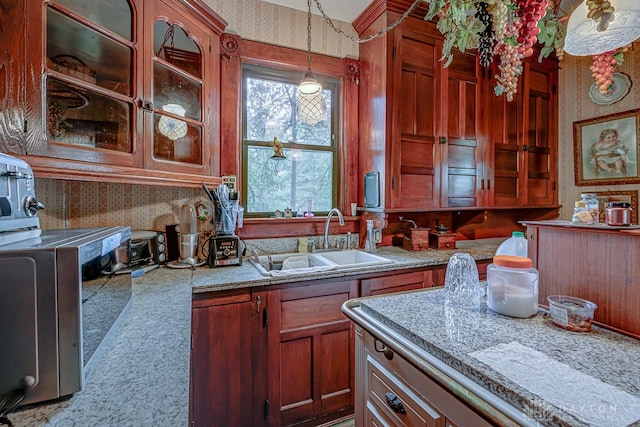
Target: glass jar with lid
[{"x": 593, "y": 206}]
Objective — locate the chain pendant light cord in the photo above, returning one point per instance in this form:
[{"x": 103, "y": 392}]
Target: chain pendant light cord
[
  {"x": 309, "y": 35},
  {"x": 360, "y": 39}
]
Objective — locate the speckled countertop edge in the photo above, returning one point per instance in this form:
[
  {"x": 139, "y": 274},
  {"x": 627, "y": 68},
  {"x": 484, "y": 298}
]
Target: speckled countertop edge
[
  {"x": 143, "y": 377},
  {"x": 244, "y": 276},
  {"x": 451, "y": 333}
]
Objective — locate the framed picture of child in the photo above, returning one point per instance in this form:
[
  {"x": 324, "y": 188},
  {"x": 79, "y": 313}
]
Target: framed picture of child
[{"x": 606, "y": 149}]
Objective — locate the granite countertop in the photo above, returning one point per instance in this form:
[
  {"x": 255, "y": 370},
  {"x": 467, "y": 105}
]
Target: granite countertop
[
  {"x": 246, "y": 275},
  {"x": 584, "y": 375},
  {"x": 143, "y": 377}
]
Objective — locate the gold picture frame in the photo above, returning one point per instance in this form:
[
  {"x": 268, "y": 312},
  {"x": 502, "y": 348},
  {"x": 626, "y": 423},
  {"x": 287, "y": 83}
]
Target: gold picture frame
[
  {"x": 606, "y": 149},
  {"x": 628, "y": 196}
]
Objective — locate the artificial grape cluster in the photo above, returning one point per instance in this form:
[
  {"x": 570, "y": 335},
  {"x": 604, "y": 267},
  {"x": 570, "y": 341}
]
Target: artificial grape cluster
[
  {"x": 602, "y": 70},
  {"x": 485, "y": 47},
  {"x": 510, "y": 64},
  {"x": 500, "y": 14},
  {"x": 529, "y": 12},
  {"x": 599, "y": 9}
]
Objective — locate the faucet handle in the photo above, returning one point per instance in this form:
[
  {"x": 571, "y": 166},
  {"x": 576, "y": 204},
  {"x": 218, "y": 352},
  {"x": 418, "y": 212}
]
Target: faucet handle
[{"x": 311, "y": 244}]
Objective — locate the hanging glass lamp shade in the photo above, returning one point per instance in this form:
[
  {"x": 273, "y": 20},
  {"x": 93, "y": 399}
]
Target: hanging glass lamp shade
[
  {"x": 587, "y": 37},
  {"x": 309, "y": 85},
  {"x": 170, "y": 127},
  {"x": 311, "y": 109}
]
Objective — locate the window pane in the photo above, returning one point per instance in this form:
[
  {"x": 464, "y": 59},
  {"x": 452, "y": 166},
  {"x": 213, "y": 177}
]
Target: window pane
[
  {"x": 270, "y": 111},
  {"x": 170, "y": 88},
  {"x": 176, "y": 140},
  {"x": 171, "y": 43},
  {"x": 279, "y": 184},
  {"x": 82, "y": 53},
  {"x": 77, "y": 116},
  {"x": 112, "y": 14}
]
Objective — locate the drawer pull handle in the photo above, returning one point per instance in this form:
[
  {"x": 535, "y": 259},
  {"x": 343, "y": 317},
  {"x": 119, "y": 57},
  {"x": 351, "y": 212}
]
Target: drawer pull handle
[
  {"x": 382, "y": 348},
  {"x": 395, "y": 403}
]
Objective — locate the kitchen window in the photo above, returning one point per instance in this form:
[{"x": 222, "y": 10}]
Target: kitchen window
[{"x": 307, "y": 176}]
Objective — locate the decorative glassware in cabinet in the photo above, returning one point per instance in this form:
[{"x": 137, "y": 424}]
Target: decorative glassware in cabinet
[{"x": 177, "y": 96}]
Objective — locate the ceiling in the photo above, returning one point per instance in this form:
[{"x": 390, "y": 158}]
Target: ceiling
[{"x": 348, "y": 10}]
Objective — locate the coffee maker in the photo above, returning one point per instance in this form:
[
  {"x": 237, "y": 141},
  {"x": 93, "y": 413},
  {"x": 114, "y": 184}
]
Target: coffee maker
[{"x": 224, "y": 247}]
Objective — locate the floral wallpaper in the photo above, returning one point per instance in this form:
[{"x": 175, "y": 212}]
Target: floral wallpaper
[{"x": 574, "y": 83}]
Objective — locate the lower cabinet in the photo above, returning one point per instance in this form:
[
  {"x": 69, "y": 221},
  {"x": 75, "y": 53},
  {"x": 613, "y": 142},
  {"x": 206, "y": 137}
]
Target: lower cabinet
[
  {"x": 282, "y": 355},
  {"x": 311, "y": 353},
  {"x": 391, "y": 392},
  {"x": 222, "y": 383}
]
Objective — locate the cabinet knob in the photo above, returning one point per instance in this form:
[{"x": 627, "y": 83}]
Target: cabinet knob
[
  {"x": 395, "y": 403},
  {"x": 442, "y": 140}
]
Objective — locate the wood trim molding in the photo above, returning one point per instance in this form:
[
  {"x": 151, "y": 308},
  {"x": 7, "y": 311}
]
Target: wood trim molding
[{"x": 347, "y": 71}]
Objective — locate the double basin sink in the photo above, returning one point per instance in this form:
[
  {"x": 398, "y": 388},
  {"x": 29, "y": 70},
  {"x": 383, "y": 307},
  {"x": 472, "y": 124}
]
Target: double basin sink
[{"x": 301, "y": 263}]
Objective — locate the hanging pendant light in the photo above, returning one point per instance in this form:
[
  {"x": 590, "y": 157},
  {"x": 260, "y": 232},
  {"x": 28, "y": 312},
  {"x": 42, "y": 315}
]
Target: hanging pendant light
[
  {"x": 587, "y": 36},
  {"x": 310, "y": 103}
]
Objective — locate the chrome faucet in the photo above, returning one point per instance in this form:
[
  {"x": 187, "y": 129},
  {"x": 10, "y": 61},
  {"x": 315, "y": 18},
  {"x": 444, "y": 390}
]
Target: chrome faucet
[{"x": 326, "y": 225}]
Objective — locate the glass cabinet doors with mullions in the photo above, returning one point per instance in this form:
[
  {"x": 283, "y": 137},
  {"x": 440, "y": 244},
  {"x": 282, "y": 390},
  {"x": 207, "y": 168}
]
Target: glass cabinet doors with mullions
[
  {"x": 90, "y": 87},
  {"x": 177, "y": 95},
  {"x": 124, "y": 86}
]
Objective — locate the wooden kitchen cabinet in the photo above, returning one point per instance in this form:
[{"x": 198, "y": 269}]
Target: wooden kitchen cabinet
[
  {"x": 310, "y": 357},
  {"x": 523, "y": 138},
  {"x": 419, "y": 121},
  {"x": 396, "y": 283},
  {"x": 390, "y": 391},
  {"x": 227, "y": 343},
  {"x": 125, "y": 90},
  {"x": 606, "y": 273}
]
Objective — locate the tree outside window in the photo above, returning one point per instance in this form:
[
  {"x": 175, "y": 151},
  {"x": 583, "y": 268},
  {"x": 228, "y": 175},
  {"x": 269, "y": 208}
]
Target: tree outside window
[{"x": 310, "y": 169}]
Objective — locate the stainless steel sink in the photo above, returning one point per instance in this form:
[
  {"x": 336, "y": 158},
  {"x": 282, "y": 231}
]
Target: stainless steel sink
[
  {"x": 354, "y": 258},
  {"x": 272, "y": 265}
]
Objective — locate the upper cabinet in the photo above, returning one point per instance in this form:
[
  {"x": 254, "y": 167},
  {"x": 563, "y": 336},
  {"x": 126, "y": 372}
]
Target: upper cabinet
[
  {"x": 439, "y": 136},
  {"x": 523, "y": 139},
  {"x": 122, "y": 90},
  {"x": 419, "y": 121}
]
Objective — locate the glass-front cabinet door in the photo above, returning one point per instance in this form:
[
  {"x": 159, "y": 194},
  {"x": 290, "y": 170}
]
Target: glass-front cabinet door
[
  {"x": 178, "y": 68},
  {"x": 177, "y": 96},
  {"x": 89, "y": 81},
  {"x": 120, "y": 88}
]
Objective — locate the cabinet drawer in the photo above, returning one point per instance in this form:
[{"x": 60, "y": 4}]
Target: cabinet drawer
[
  {"x": 394, "y": 283},
  {"x": 391, "y": 397},
  {"x": 415, "y": 385}
]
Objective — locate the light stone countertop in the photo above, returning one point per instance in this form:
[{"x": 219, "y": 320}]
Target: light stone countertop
[
  {"x": 143, "y": 377},
  {"x": 428, "y": 326}
]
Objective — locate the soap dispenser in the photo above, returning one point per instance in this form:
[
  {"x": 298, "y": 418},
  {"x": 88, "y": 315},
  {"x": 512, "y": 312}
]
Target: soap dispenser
[{"x": 370, "y": 243}]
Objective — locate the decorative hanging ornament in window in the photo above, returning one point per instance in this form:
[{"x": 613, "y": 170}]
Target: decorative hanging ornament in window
[
  {"x": 311, "y": 109},
  {"x": 170, "y": 127}
]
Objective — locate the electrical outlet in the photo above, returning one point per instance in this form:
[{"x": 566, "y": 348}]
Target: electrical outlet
[
  {"x": 229, "y": 181},
  {"x": 377, "y": 235}
]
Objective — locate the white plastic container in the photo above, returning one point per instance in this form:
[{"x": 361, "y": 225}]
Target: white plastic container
[
  {"x": 516, "y": 245},
  {"x": 512, "y": 286}
]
